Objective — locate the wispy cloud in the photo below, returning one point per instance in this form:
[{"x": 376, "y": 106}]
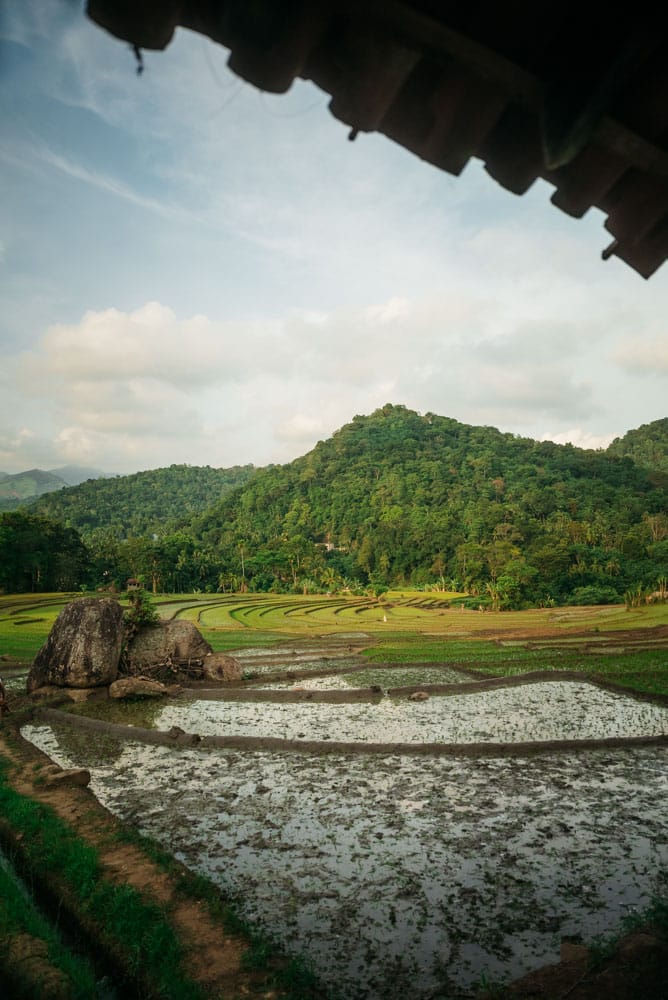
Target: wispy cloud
[{"x": 111, "y": 186}]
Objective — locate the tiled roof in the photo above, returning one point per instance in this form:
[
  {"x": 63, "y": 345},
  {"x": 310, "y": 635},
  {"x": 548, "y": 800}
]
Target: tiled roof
[{"x": 574, "y": 93}]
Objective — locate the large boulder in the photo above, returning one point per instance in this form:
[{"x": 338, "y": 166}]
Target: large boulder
[
  {"x": 220, "y": 667},
  {"x": 83, "y": 648},
  {"x": 173, "y": 643}
]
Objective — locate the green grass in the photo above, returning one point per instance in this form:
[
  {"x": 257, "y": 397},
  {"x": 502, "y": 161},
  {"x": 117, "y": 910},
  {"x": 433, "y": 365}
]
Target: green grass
[
  {"x": 136, "y": 929},
  {"x": 418, "y": 628},
  {"x": 223, "y": 642},
  {"x": 644, "y": 670},
  {"x": 19, "y": 916}
]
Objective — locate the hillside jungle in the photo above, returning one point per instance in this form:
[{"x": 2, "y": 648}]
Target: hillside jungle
[{"x": 392, "y": 499}]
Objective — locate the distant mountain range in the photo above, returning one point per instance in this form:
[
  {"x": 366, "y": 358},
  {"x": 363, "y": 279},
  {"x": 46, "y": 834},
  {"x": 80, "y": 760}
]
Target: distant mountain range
[{"x": 22, "y": 487}]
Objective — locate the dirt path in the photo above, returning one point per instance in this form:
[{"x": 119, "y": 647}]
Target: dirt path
[{"x": 214, "y": 955}]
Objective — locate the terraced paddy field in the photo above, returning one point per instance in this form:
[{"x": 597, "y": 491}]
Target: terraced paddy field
[
  {"x": 405, "y": 847},
  {"x": 398, "y": 873},
  {"x": 630, "y": 647}
]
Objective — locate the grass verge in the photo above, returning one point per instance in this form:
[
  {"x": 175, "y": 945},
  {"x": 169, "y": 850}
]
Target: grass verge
[
  {"x": 32, "y": 953},
  {"x": 136, "y": 932}
]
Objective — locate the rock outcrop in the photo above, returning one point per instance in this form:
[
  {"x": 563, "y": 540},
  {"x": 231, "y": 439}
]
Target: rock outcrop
[
  {"x": 83, "y": 648},
  {"x": 82, "y": 655},
  {"x": 172, "y": 643}
]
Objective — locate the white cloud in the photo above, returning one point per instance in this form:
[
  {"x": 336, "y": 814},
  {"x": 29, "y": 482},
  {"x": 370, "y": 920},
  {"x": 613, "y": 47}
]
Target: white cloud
[
  {"x": 147, "y": 345},
  {"x": 300, "y": 427},
  {"x": 142, "y": 382},
  {"x": 388, "y": 312},
  {"x": 644, "y": 356},
  {"x": 580, "y": 437},
  {"x": 290, "y": 279},
  {"x": 22, "y": 448},
  {"x": 76, "y": 446}
]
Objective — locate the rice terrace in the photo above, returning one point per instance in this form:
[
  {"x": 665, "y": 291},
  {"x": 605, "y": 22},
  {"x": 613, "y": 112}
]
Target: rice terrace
[{"x": 408, "y": 797}]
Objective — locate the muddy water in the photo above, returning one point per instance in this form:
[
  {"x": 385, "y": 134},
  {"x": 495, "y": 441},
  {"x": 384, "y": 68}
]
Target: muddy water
[
  {"x": 531, "y": 712},
  {"x": 402, "y": 876},
  {"x": 14, "y": 678},
  {"x": 385, "y": 677}
]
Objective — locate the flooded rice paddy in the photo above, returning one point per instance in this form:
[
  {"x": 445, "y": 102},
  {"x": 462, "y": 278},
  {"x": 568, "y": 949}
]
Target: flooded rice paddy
[
  {"x": 401, "y": 875},
  {"x": 532, "y": 712},
  {"x": 14, "y": 679},
  {"x": 383, "y": 677}
]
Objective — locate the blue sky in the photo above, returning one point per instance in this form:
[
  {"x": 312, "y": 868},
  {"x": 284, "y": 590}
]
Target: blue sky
[{"x": 193, "y": 271}]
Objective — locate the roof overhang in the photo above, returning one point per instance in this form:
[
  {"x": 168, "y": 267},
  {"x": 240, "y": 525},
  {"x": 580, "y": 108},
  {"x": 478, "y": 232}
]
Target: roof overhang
[{"x": 576, "y": 94}]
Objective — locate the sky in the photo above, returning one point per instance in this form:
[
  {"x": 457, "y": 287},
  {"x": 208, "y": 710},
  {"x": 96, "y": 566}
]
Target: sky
[{"x": 192, "y": 271}]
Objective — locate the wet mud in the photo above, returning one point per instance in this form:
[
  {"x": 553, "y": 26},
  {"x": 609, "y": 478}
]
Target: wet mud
[{"x": 402, "y": 869}]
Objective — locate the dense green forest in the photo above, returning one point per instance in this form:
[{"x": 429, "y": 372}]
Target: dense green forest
[
  {"x": 143, "y": 504},
  {"x": 394, "y": 499},
  {"x": 37, "y": 554},
  {"x": 646, "y": 445}
]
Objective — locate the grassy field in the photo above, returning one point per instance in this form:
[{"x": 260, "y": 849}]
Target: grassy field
[{"x": 627, "y": 647}]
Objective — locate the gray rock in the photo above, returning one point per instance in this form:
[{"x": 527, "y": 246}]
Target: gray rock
[
  {"x": 77, "y": 777},
  {"x": 137, "y": 687},
  {"x": 220, "y": 667},
  {"x": 174, "y": 643},
  {"x": 83, "y": 647}
]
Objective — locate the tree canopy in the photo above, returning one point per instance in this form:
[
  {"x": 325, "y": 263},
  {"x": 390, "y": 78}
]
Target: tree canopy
[
  {"x": 141, "y": 504},
  {"x": 38, "y": 554},
  {"x": 392, "y": 499},
  {"x": 647, "y": 446},
  {"x": 400, "y": 498}
]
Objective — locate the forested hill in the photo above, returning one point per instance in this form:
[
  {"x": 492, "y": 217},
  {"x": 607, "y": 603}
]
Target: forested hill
[
  {"x": 142, "y": 504},
  {"x": 23, "y": 487},
  {"x": 20, "y": 487},
  {"x": 397, "y": 497},
  {"x": 391, "y": 499},
  {"x": 647, "y": 445}
]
